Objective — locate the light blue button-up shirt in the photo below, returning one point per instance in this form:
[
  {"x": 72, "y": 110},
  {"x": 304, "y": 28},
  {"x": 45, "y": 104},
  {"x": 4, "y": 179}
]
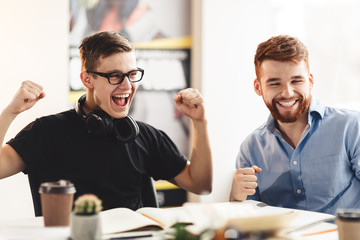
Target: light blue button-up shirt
[{"x": 321, "y": 174}]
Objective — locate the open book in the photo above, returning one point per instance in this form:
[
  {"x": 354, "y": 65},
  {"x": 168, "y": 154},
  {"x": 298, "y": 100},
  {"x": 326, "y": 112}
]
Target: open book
[
  {"x": 244, "y": 216},
  {"x": 123, "y": 219}
]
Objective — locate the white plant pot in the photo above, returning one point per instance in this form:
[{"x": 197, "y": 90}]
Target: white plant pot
[{"x": 85, "y": 227}]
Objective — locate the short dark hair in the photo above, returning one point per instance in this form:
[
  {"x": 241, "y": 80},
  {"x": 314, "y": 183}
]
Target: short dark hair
[
  {"x": 101, "y": 44},
  {"x": 281, "y": 48}
]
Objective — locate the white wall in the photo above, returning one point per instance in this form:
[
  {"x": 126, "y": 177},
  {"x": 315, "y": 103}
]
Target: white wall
[
  {"x": 229, "y": 41},
  {"x": 33, "y": 46}
]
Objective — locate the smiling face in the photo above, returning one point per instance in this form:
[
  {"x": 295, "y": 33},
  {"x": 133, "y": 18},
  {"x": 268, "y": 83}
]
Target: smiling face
[
  {"x": 113, "y": 99},
  {"x": 285, "y": 88}
]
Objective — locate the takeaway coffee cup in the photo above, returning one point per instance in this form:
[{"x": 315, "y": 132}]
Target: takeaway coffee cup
[
  {"x": 348, "y": 222},
  {"x": 56, "y": 202}
]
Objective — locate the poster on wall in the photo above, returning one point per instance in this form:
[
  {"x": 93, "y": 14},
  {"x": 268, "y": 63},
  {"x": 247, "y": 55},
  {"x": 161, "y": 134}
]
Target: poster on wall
[{"x": 160, "y": 32}]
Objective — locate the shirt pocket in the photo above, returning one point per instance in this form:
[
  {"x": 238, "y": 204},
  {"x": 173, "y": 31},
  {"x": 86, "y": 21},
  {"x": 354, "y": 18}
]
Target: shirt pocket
[{"x": 329, "y": 175}]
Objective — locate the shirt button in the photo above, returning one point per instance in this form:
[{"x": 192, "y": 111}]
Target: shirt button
[
  {"x": 283, "y": 140},
  {"x": 298, "y": 191},
  {"x": 295, "y": 162}
]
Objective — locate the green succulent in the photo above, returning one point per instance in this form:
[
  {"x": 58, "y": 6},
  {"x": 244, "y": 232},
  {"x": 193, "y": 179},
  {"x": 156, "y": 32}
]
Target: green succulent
[{"x": 87, "y": 204}]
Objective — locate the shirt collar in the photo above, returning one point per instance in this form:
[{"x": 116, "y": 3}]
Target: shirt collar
[{"x": 316, "y": 108}]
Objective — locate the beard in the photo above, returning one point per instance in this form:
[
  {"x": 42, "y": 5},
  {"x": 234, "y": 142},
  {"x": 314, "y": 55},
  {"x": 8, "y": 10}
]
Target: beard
[{"x": 288, "y": 117}]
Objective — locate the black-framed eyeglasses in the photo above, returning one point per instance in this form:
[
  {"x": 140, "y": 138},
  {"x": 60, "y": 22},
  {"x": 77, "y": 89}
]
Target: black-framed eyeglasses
[{"x": 116, "y": 78}]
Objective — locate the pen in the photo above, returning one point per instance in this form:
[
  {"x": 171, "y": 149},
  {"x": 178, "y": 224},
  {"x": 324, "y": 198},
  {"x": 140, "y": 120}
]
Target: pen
[
  {"x": 155, "y": 220},
  {"x": 320, "y": 232},
  {"x": 132, "y": 237}
]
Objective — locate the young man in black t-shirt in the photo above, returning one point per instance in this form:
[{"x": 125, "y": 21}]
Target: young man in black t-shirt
[{"x": 97, "y": 146}]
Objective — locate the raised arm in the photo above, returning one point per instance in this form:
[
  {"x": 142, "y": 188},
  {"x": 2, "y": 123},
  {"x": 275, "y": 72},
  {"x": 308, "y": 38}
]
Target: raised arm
[
  {"x": 27, "y": 95},
  {"x": 197, "y": 175}
]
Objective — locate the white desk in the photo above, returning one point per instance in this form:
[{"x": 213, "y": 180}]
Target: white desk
[{"x": 33, "y": 228}]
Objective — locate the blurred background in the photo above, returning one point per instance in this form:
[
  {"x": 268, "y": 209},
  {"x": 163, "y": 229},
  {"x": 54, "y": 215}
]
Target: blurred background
[{"x": 206, "y": 44}]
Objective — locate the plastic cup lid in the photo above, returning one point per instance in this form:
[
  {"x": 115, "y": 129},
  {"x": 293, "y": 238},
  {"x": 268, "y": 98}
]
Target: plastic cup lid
[
  {"x": 61, "y": 186},
  {"x": 348, "y": 214}
]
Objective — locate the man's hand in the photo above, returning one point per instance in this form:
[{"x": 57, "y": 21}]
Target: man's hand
[
  {"x": 244, "y": 183},
  {"x": 26, "y": 97},
  {"x": 190, "y": 103}
]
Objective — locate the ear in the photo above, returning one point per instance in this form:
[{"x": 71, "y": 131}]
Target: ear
[
  {"x": 311, "y": 81},
  {"x": 257, "y": 87},
  {"x": 86, "y": 79}
]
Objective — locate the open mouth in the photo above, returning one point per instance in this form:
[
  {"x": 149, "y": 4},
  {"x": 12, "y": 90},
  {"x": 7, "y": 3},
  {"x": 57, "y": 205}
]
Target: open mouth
[
  {"x": 287, "y": 103},
  {"x": 121, "y": 99}
]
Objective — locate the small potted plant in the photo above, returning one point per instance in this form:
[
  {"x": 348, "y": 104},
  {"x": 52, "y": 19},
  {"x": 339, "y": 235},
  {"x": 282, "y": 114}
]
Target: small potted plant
[{"x": 85, "y": 220}]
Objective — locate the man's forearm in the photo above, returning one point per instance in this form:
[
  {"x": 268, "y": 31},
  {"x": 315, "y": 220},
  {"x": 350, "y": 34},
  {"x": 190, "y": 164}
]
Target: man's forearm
[
  {"x": 5, "y": 120},
  {"x": 10, "y": 162},
  {"x": 200, "y": 170}
]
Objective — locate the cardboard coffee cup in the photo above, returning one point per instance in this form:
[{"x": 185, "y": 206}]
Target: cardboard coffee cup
[
  {"x": 348, "y": 222},
  {"x": 56, "y": 202}
]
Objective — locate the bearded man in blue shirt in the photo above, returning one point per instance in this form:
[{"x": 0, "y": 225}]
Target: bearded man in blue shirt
[{"x": 307, "y": 155}]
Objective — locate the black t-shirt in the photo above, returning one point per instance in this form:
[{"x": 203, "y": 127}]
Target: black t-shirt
[{"x": 59, "y": 147}]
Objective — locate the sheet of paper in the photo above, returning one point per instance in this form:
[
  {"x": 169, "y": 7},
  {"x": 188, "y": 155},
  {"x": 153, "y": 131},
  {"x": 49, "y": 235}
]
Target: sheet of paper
[
  {"x": 321, "y": 231},
  {"x": 306, "y": 219}
]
